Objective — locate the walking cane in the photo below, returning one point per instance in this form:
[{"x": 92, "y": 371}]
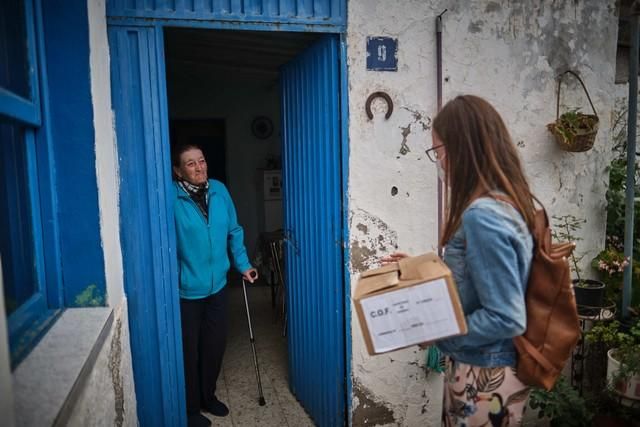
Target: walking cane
[{"x": 261, "y": 400}]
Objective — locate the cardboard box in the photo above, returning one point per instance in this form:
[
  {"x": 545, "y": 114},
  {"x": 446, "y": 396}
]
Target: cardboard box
[{"x": 406, "y": 303}]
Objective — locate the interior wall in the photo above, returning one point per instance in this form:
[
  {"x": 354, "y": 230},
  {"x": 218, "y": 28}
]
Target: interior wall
[{"x": 238, "y": 102}]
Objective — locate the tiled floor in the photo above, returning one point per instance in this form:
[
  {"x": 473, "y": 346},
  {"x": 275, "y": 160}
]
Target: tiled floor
[{"x": 237, "y": 385}]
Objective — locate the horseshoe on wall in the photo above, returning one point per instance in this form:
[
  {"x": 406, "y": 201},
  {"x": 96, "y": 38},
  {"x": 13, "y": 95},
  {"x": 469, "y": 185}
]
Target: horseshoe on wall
[{"x": 382, "y": 95}]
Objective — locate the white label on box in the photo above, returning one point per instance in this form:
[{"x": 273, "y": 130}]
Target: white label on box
[{"x": 411, "y": 315}]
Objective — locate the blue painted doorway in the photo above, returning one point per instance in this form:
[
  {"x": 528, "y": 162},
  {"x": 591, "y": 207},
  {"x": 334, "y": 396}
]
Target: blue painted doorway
[
  {"x": 314, "y": 90},
  {"x": 146, "y": 223}
]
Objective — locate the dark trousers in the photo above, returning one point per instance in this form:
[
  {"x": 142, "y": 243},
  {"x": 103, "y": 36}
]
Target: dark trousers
[{"x": 204, "y": 337}]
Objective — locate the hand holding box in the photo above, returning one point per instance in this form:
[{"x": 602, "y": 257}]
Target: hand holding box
[{"x": 409, "y": 302}]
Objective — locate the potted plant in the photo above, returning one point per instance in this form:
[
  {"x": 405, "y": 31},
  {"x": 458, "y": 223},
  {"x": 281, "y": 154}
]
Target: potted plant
[
  {"x": 623, "y": 364},
  {"x": 608, "y": 411},
  {"x": 590, "y": 294},
  {"x": 562, "y": 405},
  {"x": 611, "y": 261},
  {"x": 610, "y": 264},
  {"x": 574, "y": 131}
]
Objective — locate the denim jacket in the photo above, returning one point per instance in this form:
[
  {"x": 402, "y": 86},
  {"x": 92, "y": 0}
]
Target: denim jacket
[{"x": 490, "y": 258}]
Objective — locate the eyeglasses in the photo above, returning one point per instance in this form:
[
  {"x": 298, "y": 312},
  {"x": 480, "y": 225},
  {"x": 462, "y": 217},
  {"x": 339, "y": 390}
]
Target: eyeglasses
[{"x": 432, "y": 154}]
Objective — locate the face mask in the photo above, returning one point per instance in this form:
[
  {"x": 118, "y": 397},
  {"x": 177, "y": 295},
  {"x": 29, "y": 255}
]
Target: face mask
[{"x": 441, "y": 173}]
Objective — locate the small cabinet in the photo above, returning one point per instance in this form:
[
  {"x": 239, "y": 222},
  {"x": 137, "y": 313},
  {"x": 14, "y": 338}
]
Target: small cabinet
[{"x": 270, "y": 191}]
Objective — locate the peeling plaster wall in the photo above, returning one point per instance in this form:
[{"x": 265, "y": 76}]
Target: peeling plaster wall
[
  {"x": 508, "y": 52},
  {"x": 106, "y": 151},
  {"x": 108, "y": 398}
]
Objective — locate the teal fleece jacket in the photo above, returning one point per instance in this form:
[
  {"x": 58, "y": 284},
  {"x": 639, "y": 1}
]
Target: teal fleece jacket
[{"x": 204, "y": 247}]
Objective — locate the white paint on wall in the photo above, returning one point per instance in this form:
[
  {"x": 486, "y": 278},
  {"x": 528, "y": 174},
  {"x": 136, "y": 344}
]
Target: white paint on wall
[
  {"x": 509, "y": 53},
  {"x": 106, "y": 151},
  {"x": 109, "y": 397},
  {"x": 238, "y": 102}
]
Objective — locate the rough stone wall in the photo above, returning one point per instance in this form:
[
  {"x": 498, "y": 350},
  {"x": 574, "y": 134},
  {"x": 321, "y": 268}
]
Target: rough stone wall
[
  {"x": 108, "y": 398},
  {"x": 508, "y": 52}
]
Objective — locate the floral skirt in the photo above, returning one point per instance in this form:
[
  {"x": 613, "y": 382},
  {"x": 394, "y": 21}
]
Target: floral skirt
[{"x": 474, "y": 396}]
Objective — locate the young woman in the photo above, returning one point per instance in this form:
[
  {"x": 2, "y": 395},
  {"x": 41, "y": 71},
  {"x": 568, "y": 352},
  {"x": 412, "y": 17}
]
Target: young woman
[
  {"x": 207, "y": 230},
  {"x": 489, "y": 249}
]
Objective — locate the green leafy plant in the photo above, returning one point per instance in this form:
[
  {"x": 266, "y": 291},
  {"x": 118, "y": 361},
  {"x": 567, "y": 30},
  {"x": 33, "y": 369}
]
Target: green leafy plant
[
  {"x": 573, "y": 123},
  {"x": 608, "y": 260},
  {"x": 563, "y": 405},
  {"x": 616, "y": 192},
  {"x": 625, "y": 345},
  {"x": 616, "y": 201},
  {"x": 605, "y": 403},
  {"x": 565, "y": 229},
  {"x": 610, "y": 264}
]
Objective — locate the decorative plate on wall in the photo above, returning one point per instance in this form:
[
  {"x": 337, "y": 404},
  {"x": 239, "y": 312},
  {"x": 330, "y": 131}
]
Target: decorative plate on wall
[{"x": 262, "y": 127}]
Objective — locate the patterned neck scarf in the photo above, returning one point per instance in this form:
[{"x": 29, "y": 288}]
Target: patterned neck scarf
[{"x": 199, "y": 194}]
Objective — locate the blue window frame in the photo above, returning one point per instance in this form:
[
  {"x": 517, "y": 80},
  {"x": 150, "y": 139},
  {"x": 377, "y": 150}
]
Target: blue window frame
[
  {"x": 19, "y": 95},
  {"x": 32, "y": 299}
]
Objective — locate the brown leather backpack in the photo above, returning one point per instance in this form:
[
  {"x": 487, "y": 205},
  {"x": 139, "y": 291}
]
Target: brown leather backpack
[{"x": 553, "y": 328}]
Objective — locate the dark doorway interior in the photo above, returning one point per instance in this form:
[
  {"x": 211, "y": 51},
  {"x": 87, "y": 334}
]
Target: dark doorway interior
[{"x": 208, "y": 134}]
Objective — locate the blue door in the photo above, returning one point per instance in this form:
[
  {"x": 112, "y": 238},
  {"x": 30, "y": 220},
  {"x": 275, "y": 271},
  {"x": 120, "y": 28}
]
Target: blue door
[
  {"x": 146, "y": 222},
  {"x": 312, "y": 187}
]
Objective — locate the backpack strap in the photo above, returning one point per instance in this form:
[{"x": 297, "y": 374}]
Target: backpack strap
[
  {"x": 541, "y": 232},
  {"x": 509, "y": 201},
  {"x": 542, "y": 239},
  {"x": 525, "y": 347}
]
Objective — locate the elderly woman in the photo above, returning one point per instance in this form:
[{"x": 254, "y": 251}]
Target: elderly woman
[{"x": 207, "y": 231}]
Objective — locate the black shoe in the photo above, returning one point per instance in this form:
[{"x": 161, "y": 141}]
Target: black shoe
[
  {"x": 198, "y": 420},
  {"x": 215, "y": 407}
]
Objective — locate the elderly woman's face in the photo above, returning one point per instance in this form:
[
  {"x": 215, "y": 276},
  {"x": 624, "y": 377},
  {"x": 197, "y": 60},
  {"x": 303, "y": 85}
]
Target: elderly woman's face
[{"x": 193, "y": 167}]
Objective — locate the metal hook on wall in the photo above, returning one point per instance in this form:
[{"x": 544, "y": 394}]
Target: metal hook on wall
[{"x": 382, "y": 95}]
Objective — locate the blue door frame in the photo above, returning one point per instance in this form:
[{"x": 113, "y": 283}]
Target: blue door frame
[
  {"x": 147, "y": 230},
  {"x": 146, "y": 223}
]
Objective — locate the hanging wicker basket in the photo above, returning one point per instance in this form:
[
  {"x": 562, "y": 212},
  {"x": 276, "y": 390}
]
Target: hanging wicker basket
[{"x": 574, "y": 131}]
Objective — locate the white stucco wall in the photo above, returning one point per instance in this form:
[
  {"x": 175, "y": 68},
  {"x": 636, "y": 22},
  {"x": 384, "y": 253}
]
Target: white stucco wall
[
  {"x": 106, "y": 151},
  {"x": 109, "y": 397},
  {"x": 509, "y": 53}
]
